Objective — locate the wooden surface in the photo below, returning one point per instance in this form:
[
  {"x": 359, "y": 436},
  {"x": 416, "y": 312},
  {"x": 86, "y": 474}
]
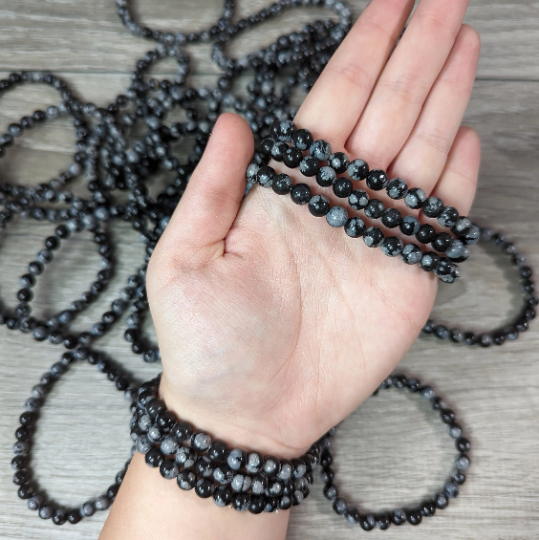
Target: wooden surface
[{"x": 395, "y": 448}]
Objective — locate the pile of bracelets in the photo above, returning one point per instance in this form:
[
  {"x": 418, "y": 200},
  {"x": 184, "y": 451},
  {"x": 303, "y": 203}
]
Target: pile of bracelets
[{"x": 112, "y": 162}]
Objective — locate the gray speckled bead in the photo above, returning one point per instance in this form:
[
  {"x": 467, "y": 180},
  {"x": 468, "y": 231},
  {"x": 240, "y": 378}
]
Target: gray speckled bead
[
  {"x": 451, "y": 489},
  {"x": 397, "y": 188},
  {"x": 252, "y": 169},
  {"x": 320, "y": 149},
  {"x": 87, "y": 509},
  {"x": 357, "y": 169},
  {"x": 185, "y": 457},
  {"x": 287, "y": 470},
  {"x": 35, "y": 502},
  {"x": 455, "y": 431},
  {"x": 340, "y": 505},
  {"x": 201, "y": 441},
  {"x": 462, "y": 462},
  {"x": 411, "y": 254},
  {"x": 455, "y": 250},
  {"x": 235, "y": 459},
  {"x": 143, "y": 444},
  {"x": 154, "y": 434},
  {"x": 415, "y": 198},
  {"x": 337, "y": 216},
  {"x": 326, "y": 176},
  {"x": 254, "y": 463},
  {"x": 358, "y": 199},
  {"x": 45, "y": 512},
  {"x": 240, "y": 483},
  {"x": 102, "y": 503},
  {"x": 145, "y": 422},
  {"x": 169, "y": 446},
  {"x": 258, "y": 484}
]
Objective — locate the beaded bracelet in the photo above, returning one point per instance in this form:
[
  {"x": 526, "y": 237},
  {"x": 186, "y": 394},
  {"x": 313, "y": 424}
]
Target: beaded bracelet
[{"x": 247, "y": 480}]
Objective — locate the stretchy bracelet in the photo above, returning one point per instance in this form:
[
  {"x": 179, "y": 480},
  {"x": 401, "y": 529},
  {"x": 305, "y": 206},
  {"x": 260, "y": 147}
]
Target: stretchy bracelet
[{"x": 246, "y": 480}]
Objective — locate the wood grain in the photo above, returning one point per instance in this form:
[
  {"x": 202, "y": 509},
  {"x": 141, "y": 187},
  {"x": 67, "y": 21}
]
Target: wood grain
[{"x": 394, "y": 450}]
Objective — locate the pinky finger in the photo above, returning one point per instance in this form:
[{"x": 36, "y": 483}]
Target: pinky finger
[{"x": 458, "y": 182}]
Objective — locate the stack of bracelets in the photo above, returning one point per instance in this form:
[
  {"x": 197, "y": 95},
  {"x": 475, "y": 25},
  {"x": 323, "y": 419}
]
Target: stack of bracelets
[{"x": 112, "y": 161}]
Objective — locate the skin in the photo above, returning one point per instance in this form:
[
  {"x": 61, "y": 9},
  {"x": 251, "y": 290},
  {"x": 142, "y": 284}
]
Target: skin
[{"x": 273, "y": 326}]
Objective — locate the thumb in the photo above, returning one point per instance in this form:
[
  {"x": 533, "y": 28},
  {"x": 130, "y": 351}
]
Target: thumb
[{"x": 211, "y": 201}]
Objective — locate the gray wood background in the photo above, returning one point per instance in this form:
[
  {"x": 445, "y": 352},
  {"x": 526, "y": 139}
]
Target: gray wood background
[{"x": 396, "y": 449}]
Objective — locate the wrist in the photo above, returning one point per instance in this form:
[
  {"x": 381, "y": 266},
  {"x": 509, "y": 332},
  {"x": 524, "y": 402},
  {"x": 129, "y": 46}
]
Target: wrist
[{"x": 233, "y": 429}]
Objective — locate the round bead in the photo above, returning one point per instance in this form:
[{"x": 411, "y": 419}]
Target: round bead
[
  {"x": 302, "y": 139},
  {"x": 309, "y": 166},
  {"x": 358, "y": 199},
  {"x": 392, "y": 246},
  {"x": 337, "y": 216},
  {"x": 410, "y": 225},
  {"x": 186, "y": 480},
  {"x": 241, "y": 502},
  {"x": 254, "y": 463},
  {"x": 265, "y": 176},
  {"x": 374, "y": 209},
  {"x": 355, "y": 227},
  {"x": 396, "y": 189},
  {"x": 235, "y": 459},
  {"x": 342, "y": 187},
  {"x": 340, "y": 506},
  {"x": 448, "y": 217},
  {"x": 319, "y": 205},
  {"x": 391, "y": 218},
  {"x": 204, "y": 488},
  {"x": 377, "y": 180},
  {"x": 339, "y": 161},
  {"x": 320, "y": 149},
  {"x": 292, "y": 157},
  {"x": 222, "y": 496},
  {"x": 398, "y": 516},
  {"x": 433, "y": 207},
  {"x": 272, "y": 466},
  {"x": 373, "y": 237},
  {"x": 301, "y": 194},
  {"x": 411, "y": 254},
  {"x": 282, "y": 184},
  {"x": 358, "y": 169},
  {"x": 415, "y": 198},
  {"x": 326, "y": 176}
]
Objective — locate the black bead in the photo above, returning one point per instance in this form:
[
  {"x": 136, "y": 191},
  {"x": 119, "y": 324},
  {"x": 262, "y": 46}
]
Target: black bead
[
  {"x": 301, "y": 194},
  {"x": 358, "y": 169},
  {"x": 462, "y": 445},
  {"x": 342, "y": 187},
  {"x": 222, "y": 496},
  {"x": 382, "y": 521},
  {"x": 409, "y": 225},
  {"x": 154, "y": 458},
  {"x": 218, "y": 452},
  {"x": 377, "y": 180},
  {"x": 358, "y": 199},
  {"x": 396, "y": 188},
  {"x": 73, "y": 516},
  {"x": 241, "y": 502},
  {"x": 415, "y": 198},
  {"x": 433, "y": 207},
  {"x": 441, "y": 242},
  {"x": 319, "y": 205},
  {"x": 447, "y": 416},
  {"x": 339, "y": 162},
  {"x": 426, "y": 234},
  {"x": 257, "y": 504},
  {"x": 427, "y": 508},
  {"x": 355, "y": 227},
  {"x": 414, "y": 516},
  {"x": 292, "y": 157},
  {"x": 302, "y": 139},
  {"x": 340, "y": 506},
  {"x": 204, "y": 488},
  {"x": 373, "y": 237},
  {"x": 391, "y": 217},
  {"x": 398, "y": 517},
  {"x": 374, "y": 209},
  {"x": 309, "y": 166}
]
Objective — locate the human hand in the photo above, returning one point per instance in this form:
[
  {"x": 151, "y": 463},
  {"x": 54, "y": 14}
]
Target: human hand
[{"x": 273, "y": 326}]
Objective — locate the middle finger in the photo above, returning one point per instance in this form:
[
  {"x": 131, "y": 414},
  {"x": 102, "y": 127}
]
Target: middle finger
[{"x": 402, "y": 89}]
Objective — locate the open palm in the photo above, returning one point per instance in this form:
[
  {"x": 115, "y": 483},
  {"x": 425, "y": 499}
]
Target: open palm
[{"x": 272, "y": 325}]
